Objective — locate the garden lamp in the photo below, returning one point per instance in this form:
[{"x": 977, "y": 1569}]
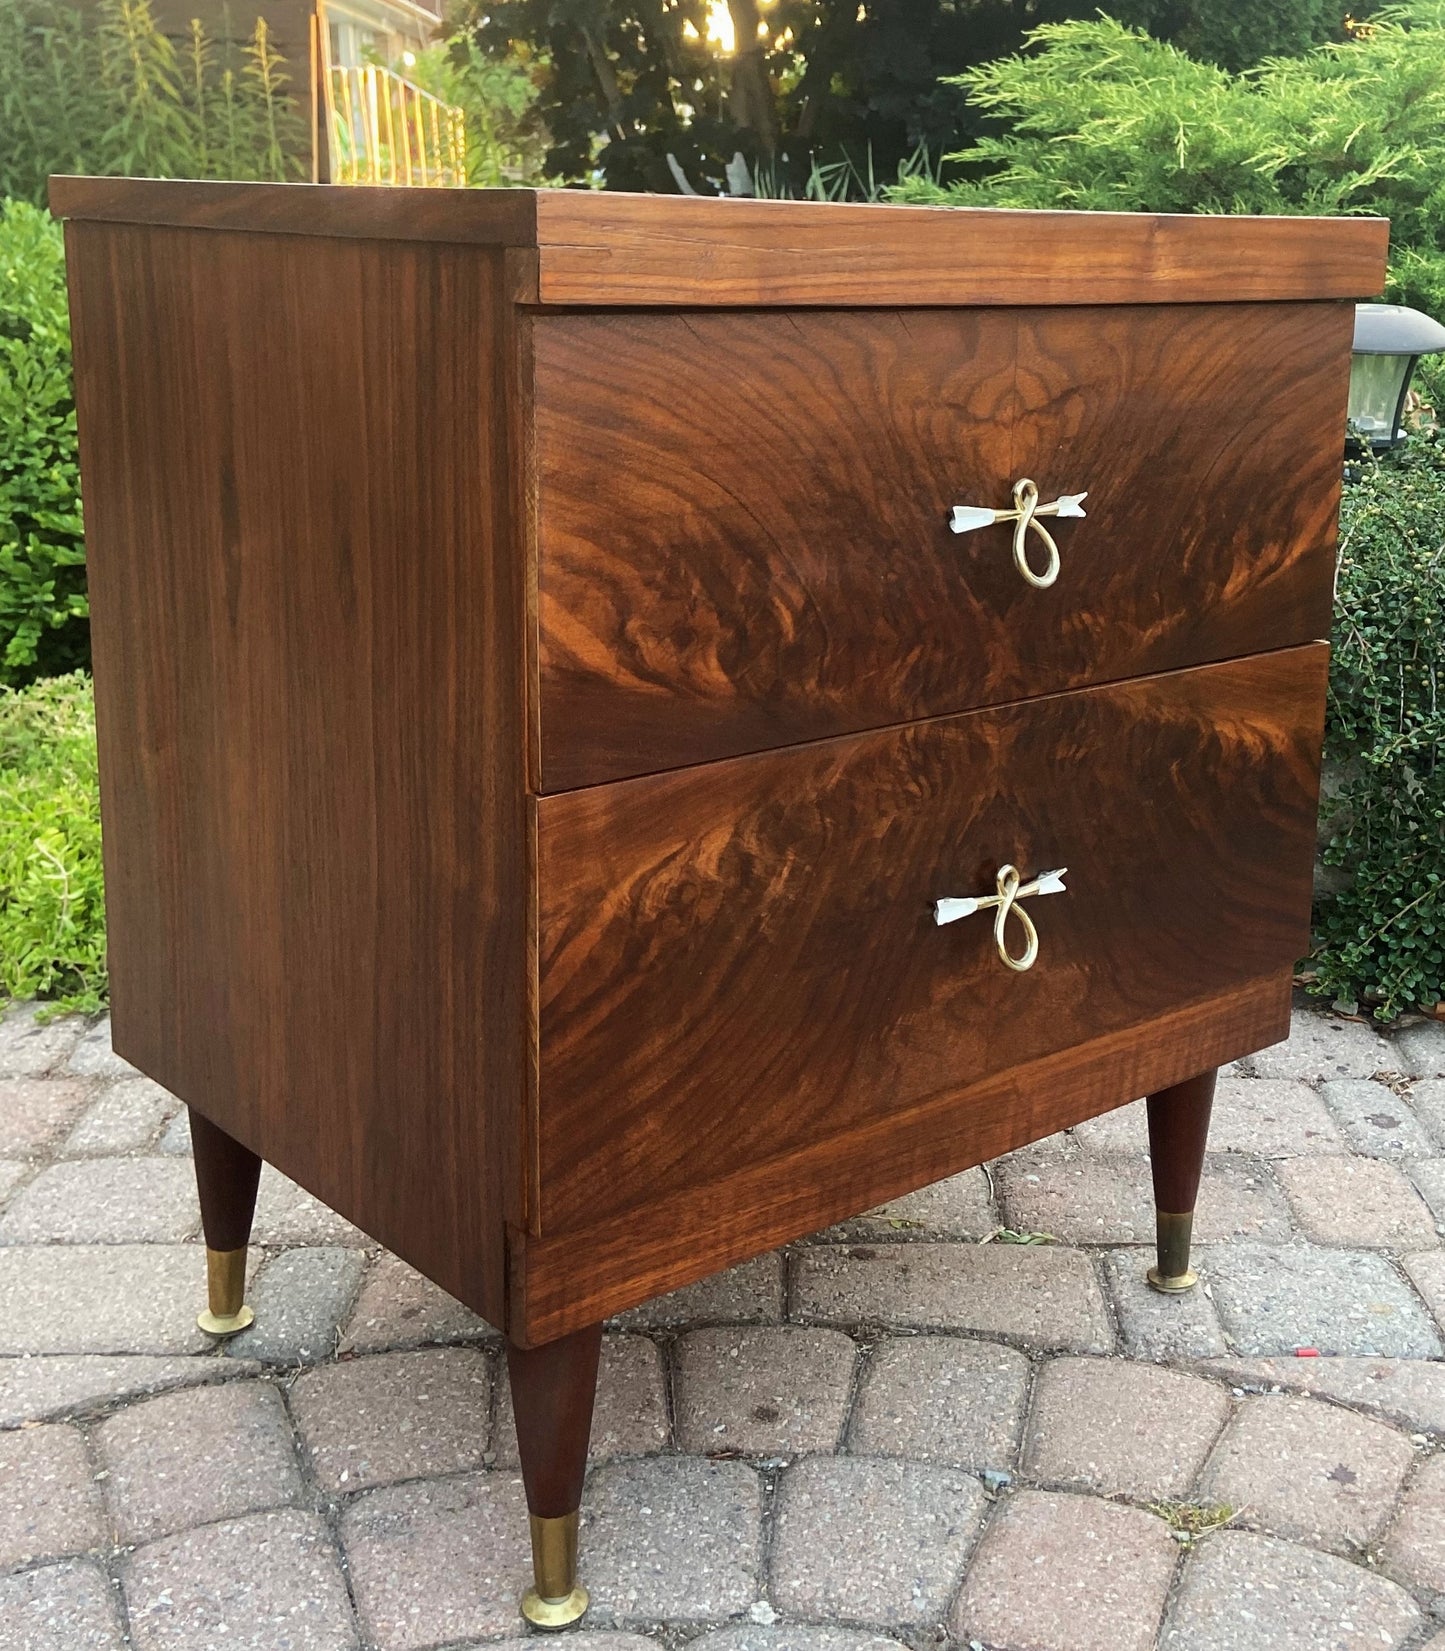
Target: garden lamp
[{"x": 1389, "y": 340}]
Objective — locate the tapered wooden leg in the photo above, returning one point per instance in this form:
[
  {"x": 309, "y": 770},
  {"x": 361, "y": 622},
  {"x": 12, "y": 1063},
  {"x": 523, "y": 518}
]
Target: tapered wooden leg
[
  {"x": 1178, "y": 1130},
  {"x": 227, "y": 1175},
  {"x": 553, "y": 1387}
]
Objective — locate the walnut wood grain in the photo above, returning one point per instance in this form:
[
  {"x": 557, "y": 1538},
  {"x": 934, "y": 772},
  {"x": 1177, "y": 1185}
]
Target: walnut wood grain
[
  {"x": 553, "y": 1388},
  {"x": 476, "y": 217},
  {"x": 308, "y": 668},
  {"x": 1178, "y": 1135},
  {"x": 228, "y": 1177},
  {"x": 601, "y": 248},
  {"x": 742, "y": 520},
  {"x": 615, "y": 249},
  {"x": 739, "y": 960},
  {"x": 564, "y": 1283}
]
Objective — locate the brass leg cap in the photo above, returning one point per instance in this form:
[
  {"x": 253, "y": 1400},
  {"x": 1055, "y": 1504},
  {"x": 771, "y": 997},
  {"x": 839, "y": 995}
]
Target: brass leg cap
[
  {"x": 226, "y": 1310},
  {"x": 1172, "y": 1286},
  {"x": 226, "y": 1324},
  {"x": 554, "y": 1613},
  {"x": 1171, "y": 1275}
]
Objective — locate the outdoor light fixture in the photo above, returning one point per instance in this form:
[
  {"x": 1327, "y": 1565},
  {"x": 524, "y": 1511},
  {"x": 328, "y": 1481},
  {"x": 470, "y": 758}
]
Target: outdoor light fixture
[{"x": 1389, "y": 340}]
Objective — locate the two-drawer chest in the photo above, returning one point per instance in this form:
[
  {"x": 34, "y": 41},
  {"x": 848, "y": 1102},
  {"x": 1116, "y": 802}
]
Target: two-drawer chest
[{"x": 635, "y": 729}]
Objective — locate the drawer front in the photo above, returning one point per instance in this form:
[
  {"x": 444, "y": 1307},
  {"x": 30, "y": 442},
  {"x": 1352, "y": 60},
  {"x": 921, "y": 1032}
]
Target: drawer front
[
  {"x": 741, "y": 960},
  {"x": 742, "y": 519}
]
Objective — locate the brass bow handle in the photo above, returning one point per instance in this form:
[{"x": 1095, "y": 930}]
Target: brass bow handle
[
  {"x": 1025, "y": 517},
  {"x": 1010, "y": 891}
]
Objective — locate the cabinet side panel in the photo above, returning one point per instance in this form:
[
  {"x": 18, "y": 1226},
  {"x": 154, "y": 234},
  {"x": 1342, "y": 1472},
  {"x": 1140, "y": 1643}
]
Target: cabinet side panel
[{"x": 307, "y": 627}]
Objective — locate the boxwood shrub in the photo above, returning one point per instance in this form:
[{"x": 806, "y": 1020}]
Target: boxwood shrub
[
  {"x": 52, "y": 903},
  {"x": 43, "y": 625},
  {"x": 1380, "y": 934}
]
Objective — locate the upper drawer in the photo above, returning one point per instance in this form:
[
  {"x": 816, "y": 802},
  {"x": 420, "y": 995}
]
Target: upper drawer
[{"x": 742, "y": 519}]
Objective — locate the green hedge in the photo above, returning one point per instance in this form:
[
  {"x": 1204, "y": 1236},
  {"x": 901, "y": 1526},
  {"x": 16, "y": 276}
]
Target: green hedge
[
  {"x": 52, "y": 904},
  {"x": 1380, "y": 940},
  {"x": 43, "y": 628}
]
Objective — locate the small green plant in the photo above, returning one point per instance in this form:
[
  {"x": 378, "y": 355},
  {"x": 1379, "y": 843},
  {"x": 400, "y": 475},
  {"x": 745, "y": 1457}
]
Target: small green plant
[
  {"x": 43, "y": 628},
  {"x": 845, "y": 180},
  {"x": 150, "y": 135},
  {"x": 1191, "y": 1520},
  {"x": 266, "y": 75},
  {"x": 49, "y": 113},
  {"x": 52, "y": 903},
  {"x": 1380, "y": 937},
  {"x": 106, "y": 90}
]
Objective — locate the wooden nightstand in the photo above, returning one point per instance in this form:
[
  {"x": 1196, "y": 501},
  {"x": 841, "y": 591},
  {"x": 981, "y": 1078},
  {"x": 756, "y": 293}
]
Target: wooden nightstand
[{"x": 553, "y": 744}]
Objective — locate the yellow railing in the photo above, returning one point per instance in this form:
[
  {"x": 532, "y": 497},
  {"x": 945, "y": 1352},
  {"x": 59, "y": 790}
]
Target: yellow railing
[{"x": 386, "y": 130}]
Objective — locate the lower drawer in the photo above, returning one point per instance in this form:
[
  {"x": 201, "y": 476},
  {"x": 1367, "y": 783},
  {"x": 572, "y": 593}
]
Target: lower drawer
[{"x": 740, "y": 961}]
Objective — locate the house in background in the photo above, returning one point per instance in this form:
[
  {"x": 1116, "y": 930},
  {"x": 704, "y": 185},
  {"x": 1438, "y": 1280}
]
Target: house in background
[
  {"x": 373, "y": 124},
  {"x": 375, "y": 31}
]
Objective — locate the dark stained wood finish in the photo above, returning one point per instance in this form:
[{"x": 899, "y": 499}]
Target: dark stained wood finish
[
  {"x": 227, "y": 1177},
  {"x": 1178, "y": 1134},
  {"x": 695, "y": 1010},
  {"x": 561, "y": 1283},
  {"x": 465, "y": 217},
  {"x": 308, "y": 662},
  {"x": 553, "y": 1386},
  {"x": 708, "y": 1011},
  {"x": 600, "y": 248},
  {"x": 609, "y": 249},
  {"x": 742, "y": 520}
]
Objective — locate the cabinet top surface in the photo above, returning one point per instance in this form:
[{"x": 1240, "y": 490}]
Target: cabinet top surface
[{"x": 585, "y": 247}]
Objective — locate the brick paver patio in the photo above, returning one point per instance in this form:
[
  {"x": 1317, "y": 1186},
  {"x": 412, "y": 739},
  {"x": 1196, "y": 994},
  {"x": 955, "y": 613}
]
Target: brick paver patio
[{"x": 894, "y": 1434}]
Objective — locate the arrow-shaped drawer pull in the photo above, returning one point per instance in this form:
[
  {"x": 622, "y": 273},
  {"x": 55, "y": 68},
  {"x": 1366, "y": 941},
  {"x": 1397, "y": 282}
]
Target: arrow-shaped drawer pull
[
  {"x": 1010, "y": 891},
  {"x": 1025, "y": 516}
]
